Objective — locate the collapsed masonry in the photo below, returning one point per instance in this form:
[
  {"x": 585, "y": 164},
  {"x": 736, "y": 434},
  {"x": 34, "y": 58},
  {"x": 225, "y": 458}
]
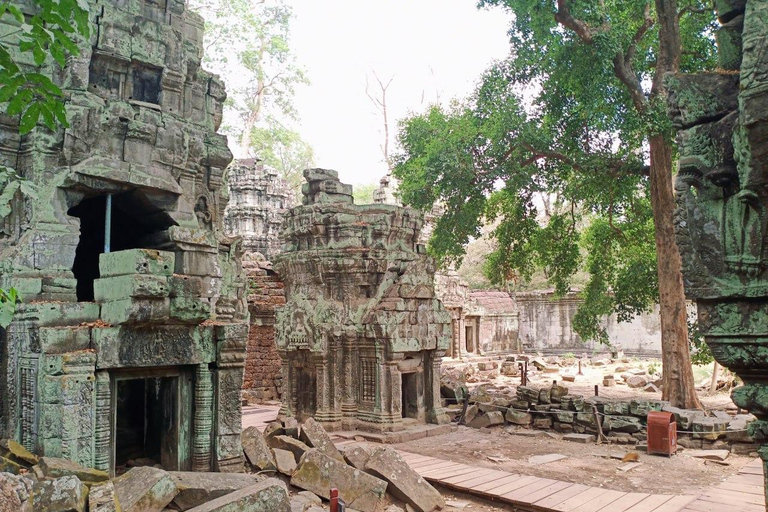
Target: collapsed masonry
[
  {"x": 130, "y": 342},
  {"x": 362, "y": 334}
]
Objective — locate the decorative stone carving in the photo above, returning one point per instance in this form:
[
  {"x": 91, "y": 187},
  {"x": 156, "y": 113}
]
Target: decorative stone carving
[
  {"x": 362, "y": 333},
  {"x": 722, "y": 197},
  {"x": 133, "y": 294}
]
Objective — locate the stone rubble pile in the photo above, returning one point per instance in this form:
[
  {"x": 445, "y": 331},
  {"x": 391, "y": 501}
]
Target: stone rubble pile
[
  {"x": 622, "y": 421},
  {"x": 369, "y": 478}
]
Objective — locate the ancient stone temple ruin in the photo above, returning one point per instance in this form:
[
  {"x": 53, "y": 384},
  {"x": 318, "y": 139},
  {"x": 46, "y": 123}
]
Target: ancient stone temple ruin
[
  {"x": 131, "y": 338},
  {"x": 722, "y": 201},
  {"x": 258, "y": 197},
  {"x": 362, "y": 334}
]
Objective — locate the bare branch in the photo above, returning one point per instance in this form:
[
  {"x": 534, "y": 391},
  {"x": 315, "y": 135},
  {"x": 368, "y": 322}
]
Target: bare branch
[{"x": 565, "y": 18}]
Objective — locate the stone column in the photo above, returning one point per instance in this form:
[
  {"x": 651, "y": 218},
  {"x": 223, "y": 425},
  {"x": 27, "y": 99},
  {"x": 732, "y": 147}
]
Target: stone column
[
  {"x": 349, "y": 388},
  {"x": 103, "y": 430},
  {"x": 432, "y": 401},
  {"x": 288, "y": 395},
  {"x": 203, "y": 420}
]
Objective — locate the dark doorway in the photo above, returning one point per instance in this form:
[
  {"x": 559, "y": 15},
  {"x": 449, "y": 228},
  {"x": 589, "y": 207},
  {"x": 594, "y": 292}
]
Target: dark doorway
[
  {"x": 146, "y": 423},
  {"x": 410, "y": 395},
  {"x": 470, "y": 333},
  {"x": 133, "y": 218},
  {"x": 306, "y": 389}
]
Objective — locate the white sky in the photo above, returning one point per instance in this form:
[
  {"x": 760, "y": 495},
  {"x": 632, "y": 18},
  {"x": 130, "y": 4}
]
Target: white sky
[{"x": 430, "y": 47}]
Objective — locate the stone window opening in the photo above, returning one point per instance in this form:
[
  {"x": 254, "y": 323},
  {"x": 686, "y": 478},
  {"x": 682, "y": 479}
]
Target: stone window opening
[
  {"x": 133, "y": 218},
  {"x": 146, "y": 83},
  {"x": 146, "y": 422}
]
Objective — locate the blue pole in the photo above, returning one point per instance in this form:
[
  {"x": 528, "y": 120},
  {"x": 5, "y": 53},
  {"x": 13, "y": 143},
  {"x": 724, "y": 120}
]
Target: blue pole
[{"x": 108, "y": 224}]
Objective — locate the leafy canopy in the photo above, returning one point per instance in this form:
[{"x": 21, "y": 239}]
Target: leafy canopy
[{"x": 552, "y": 148}]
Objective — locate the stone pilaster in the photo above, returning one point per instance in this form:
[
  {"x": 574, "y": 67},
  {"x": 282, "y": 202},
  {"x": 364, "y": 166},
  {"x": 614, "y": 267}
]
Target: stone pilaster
[{"x": 203, "y": 419}]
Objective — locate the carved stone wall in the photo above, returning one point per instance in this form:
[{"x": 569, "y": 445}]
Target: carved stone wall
[
  {"x": 362, "y": 334},
  {"x": 122, "y": 261},
  {"x": 258, "y": 197},
  {"x": 722, "y": 201}
]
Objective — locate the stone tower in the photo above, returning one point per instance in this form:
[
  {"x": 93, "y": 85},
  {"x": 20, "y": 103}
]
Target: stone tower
[
  {"x": 130, "y": 340},
  {"x": 258, "y": 197},
  {"x": 362, "y": 334}
]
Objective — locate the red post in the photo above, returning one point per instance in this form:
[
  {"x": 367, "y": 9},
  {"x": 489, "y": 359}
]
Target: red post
[{"x": 334, "y": 500}]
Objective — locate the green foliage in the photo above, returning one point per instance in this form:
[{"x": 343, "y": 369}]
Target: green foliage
[
  {"x": 8, "y": 300},
  {"x": 52, "y": 31},
  {"x": 551, "y": 149},
  {"x": 11, "y": 184},
  {"x": 701, "y": 354},
  {"x": 283, "y": 149},
  {"x": 363, "y": 192}
]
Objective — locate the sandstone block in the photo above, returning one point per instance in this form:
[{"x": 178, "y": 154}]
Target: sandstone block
[
  {"x": 357, "y": 455},
  {"x": 318, "y": 473},
  {"x": 637, "y": 381},
  {"x": 518, "y": 417},
  {"x": 404, "y": 483},
  {"x": 136, "y": 261},
  {"x": 15, "y": 492},
  {"x": 626, "y": 424},
  {"x": 53, "y": 467},
  {"x": 296, "y": 447},
  {"x": 488, "y": 419},
  {"x": 196, "y": 489},
  {"x": 12, "y": 450},
  {"x": 270, "y": 495},
  {"x": 102, "y": 498},
  {"x": 65, "y": 494},
  {"x": 579, "y": 438},
  {"x": 315, "y": 436},
  {"x": 256, "y": 449},
  {"x": 144, "y": 286},
  {"x": 145, "y": 489},
  {"x": 285, "y": 462}
]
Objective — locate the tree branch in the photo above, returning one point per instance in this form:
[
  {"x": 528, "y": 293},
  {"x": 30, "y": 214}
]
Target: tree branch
[{"x": 566, "y": 19}]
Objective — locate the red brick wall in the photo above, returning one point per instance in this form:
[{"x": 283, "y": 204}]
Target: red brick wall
[{"x": 262, "y": 378}]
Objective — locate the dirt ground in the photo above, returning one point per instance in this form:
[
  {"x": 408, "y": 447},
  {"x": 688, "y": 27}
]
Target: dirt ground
[{"x": 588, "y": 464}]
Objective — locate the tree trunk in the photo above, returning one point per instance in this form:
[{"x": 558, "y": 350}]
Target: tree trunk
[{"x": 678, "y": 385}]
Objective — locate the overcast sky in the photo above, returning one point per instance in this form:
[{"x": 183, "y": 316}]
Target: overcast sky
[{"x": 427, "y": 47}]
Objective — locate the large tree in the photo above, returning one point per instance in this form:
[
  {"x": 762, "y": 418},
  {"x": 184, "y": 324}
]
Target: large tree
[{"x": 574, "y": 119}]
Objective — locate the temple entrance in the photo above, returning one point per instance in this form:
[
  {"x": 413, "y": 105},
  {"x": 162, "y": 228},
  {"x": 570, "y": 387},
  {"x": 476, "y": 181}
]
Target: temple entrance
[
  {"x": 410, "y": 395},
  {"x": 470, "y": 336},
  {"x": 147, "y": 420},
  {"x": 133, "y": 218},
  {"x": 306, "y": 389}
]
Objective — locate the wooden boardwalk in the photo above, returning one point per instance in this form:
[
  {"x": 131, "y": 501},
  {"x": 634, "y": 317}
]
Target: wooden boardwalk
[{"x": 742, "y": 492}]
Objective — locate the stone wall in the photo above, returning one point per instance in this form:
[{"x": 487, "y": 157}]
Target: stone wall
[
  {"x": 262, "y": 379},
  {"x": 546, "y": 325}
]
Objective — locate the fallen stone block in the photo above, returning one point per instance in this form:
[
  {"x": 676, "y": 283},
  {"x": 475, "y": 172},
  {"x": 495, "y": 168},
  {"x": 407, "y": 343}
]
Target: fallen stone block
[
  {"x": 65, "y": 494},
  {"x": 314, "y": 435},
  {"x": 636, "y": 381},
  {"x": 710, "y": 429},
  {"x": 15, "y": 491},
  {"x": 651, "y": 388},
  {"x": 291, "y": 427},
  {"x": 579, "y": 438},
  {"x": 53, "y": 467},
  {"x": 256, "y": 449},
  {"x": 102, "y": 498},
  {"x": 708, "y": 454},
  {"x": 568, "y": 378},
  {"x": 11, "y": 450},
  {"x": 487, "y": 420},
  {"x": 518, "y": 417},
  {"x": 306, "y": 501},
  {"x": 198, "y": 488},
  {"x": 358, "y": 455},
  {"x": 542, "y": 423},
  {"x": 537, "y": 460},
  {"x": 271, "y": 495},
  {"x": 145, "y": 489},
  {"x": 296, "y": 447},
  {"x": 641, "y": 408},
  {"x": 556, "y": 393},
  {"x": 404, "y": 483},
  {"x": 318, "y": 473},
  {"x": 285, "y": 461},
  {"x": 626, "y": 424},
  {"x": 609, "y": 381}
]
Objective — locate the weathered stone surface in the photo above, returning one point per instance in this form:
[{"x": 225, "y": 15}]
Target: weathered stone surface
[
  {"x": 579, "y": 438},
  {"x": 357, "y": 455},
  {"x": 296, "y": 447},
  {"x": 15, "y": 491},
  {"x": 404, "y": 483},
  {"x": 145, "y": 489},
  {"x": 471, "y": 414},
  {"x": 12, "y": 450},
  {"x": 270, "y": 495},
  {"x": 53, "y": 467},
  {"x": 488, "y": 419},
  {"x": 315, "y": 436},
  {"x": 637, "y": 381},
  {"x": 256, "y": 449},
  {"x": 318, "y": 473},
  {"x": 626, "y": 424},
  {"x": 196, "y": 489},
  {"x": 518, "y": 417},
  {"x": 102, "y": 498},
  {"x": 65, "y": 494},
  {"x": 285, "y": 461}
]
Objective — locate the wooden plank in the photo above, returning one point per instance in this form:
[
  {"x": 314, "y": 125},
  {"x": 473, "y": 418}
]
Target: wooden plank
[
  {"x": 549, "y": 490},
  {"x": 560, "y": 496},
  {"x": 491, "y": 475},
  {"x": 675, "y": 504},
  {"x": 746, "y": 470},
  {"x": 571, "y": 503},
  {"x": 743, "y": 488},
  {"x": 748, "y": 479},
  {"x": 728, "y": 498},
  {"x": 419, "y": 459},
  {"x": 625, "y": 502},
  {"x": 430, "y": 464},
  {"x": 511, "y": 486},
  {"x": 600, "y": 502},
  {"x": 482, "y": 488},
  {"x": 650, "y": 503},
  {"x": 518, "y": 494},
  {"x": 459, "y": 480},
  {"x": 706, "y": 506},
  {"x": 440, "y": 474}
]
